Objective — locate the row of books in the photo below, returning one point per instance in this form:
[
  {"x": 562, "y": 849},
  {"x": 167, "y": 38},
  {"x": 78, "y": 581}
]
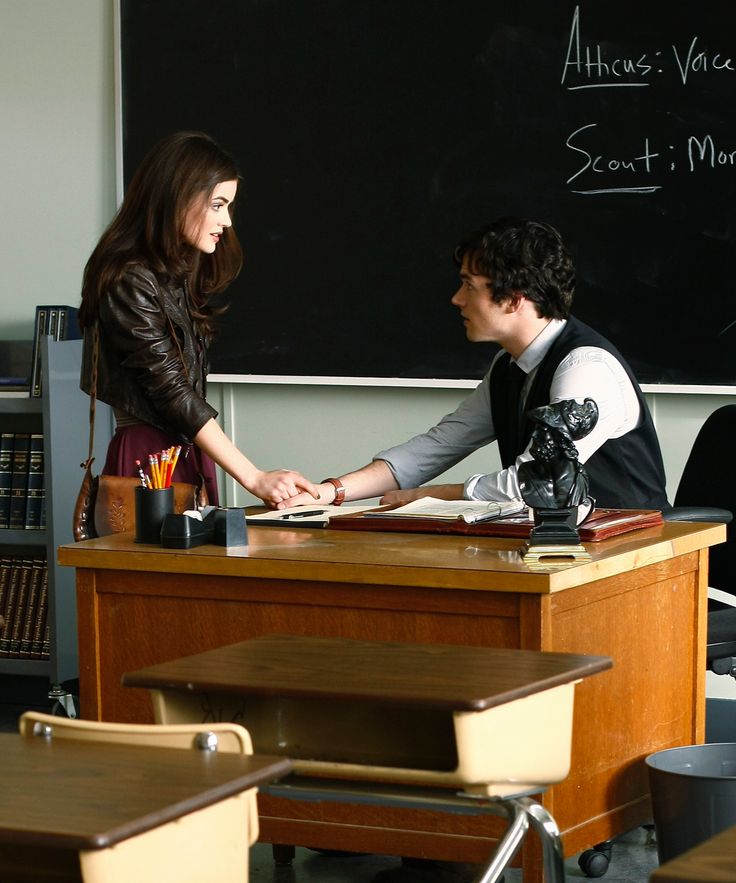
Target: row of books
[
  {"x": 24, "y": 629},
  {"x": 59, "y": 322},
  {"x": 22, "y": 484}
]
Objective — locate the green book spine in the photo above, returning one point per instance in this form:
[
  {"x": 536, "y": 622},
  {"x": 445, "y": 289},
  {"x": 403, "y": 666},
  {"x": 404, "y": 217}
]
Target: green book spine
[
  {"x": 40, "y": 330},
  {"x": 7, "y": 442},
  {"x": 35, "y": 488},
  {"x": 19, "y": 481}
]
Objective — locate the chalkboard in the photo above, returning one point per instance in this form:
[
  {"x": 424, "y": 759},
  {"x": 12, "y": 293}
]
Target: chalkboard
[{"x": 373, "y": 134}]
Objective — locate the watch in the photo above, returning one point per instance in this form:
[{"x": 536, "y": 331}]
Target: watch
[{"x": 339, "y": 490}]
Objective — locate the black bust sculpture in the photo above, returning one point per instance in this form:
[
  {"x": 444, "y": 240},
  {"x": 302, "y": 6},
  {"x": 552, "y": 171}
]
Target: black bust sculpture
[{"x": 554, "y": 483}]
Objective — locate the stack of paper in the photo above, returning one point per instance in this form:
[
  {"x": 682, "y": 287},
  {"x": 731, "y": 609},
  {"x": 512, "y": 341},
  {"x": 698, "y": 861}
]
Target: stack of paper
[{"x": 469, "y": 511}]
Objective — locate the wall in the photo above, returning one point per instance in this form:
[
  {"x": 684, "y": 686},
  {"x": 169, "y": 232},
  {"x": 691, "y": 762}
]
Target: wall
[
  {"x": 56, "y": 151},
  {"x": 57, "y": 174},
  {"x": 328, "y": 430}
]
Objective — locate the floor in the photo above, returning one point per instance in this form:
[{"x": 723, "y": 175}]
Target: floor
[{"x": 632, "y": 862}]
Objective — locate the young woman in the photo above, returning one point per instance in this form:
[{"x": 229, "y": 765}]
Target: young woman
[{"x": 146, "y": 300}]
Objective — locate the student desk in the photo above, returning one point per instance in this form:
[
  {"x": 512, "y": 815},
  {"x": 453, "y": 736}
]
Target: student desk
[
  {"x": 481, "y": 721},
  {"x": 91, "y": 811},
  {"x": 713, "y": 861},
  {"x": 641, "y": 601}
]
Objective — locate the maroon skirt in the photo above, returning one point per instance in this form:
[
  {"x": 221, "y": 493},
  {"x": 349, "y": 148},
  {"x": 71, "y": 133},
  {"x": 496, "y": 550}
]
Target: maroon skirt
[{"x": 131, "y": 443}]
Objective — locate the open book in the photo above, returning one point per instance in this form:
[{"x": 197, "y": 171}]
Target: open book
[{"x": 469, "y": 511}]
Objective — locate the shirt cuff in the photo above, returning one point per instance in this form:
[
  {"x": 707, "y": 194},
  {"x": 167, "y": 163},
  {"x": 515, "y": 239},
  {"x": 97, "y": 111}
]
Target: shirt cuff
[{"x": 469, "y": 486}]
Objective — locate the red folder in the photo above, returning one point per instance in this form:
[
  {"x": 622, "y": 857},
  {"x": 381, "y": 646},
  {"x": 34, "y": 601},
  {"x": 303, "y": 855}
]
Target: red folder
[{"x": 599, "y": 525}]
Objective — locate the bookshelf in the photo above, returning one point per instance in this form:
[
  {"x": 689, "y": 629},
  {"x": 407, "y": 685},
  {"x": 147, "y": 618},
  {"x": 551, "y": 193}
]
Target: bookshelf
[{"x": 61, "y": 414}]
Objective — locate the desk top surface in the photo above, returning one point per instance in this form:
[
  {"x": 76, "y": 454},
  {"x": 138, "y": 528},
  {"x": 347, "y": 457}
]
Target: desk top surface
[
  {"x": 713, "y": 861},
  {"x": 88, "y": 795},
  {"x": 475, "y": 563},
  {"x": 410, "y": 675}
]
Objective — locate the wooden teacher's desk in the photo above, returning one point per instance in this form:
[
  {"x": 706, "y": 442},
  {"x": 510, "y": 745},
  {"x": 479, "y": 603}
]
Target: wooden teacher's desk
[{"x": 641, "y": 601}]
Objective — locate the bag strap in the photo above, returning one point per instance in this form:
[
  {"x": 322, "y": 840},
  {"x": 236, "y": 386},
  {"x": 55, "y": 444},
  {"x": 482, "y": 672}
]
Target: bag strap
[{"x": 93, "y": 394}]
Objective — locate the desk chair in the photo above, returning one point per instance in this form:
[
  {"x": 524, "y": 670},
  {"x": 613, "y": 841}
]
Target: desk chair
[
  {"x": 707, "y": 492},
  {"x": 224, "y": 827}
]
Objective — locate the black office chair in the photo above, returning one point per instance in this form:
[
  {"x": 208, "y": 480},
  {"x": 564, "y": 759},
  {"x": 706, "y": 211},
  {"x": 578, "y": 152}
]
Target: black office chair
[{"x": 707, "y": 492}]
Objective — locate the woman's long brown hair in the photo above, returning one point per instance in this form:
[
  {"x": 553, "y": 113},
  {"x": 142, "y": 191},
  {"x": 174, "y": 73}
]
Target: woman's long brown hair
[{"x": 148, "y": 228}]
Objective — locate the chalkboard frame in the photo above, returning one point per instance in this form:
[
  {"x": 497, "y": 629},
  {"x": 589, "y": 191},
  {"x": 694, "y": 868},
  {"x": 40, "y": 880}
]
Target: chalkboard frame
[{"x": 696, "y": 386}]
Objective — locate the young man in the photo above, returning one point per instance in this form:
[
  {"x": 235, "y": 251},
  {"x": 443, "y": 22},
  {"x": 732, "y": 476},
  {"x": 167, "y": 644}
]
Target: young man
[{"x": 517, "y": 285}]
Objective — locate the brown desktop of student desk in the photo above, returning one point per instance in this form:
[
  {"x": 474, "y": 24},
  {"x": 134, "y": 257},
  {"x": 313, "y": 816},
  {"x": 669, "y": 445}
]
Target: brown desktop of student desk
[
  {"x": 73, "y": 810},
  {"x": 395, "y": 725},
  {"x": 713, "y": 861},
  {"x": 641, "y": 601}
]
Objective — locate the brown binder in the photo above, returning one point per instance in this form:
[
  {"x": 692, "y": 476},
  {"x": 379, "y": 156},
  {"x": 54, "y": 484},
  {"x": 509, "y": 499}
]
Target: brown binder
[{"x": 599, "y": 525}]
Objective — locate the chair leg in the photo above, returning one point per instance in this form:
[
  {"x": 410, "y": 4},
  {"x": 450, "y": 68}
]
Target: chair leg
[{"x": 283, "y": 855}]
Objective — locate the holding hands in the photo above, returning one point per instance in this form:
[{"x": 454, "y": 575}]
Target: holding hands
[
  {"x": 323, "y": 493},
  {"x": 283, "y": 487}
]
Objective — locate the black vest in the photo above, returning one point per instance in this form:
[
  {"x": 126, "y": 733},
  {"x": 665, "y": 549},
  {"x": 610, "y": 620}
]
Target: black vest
[{"x": 626, "y": 472}]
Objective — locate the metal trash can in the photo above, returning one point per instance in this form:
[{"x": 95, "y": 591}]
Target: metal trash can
[{"x": 693, "y": 794}]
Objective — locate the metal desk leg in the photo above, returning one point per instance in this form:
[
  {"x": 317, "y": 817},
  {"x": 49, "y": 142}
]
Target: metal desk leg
[
  {"x": 508, "y": 844},
  {"x": 552, "y": 854},
  {"x": 521, "y": 811}
]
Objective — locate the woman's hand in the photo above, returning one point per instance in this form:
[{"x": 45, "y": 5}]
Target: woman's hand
[
  {"x": 279, "y": 485},
  {"x": 325, "y": 494}
]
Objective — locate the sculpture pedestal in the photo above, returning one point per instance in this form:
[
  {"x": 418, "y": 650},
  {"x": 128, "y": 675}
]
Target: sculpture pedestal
[{"x": 554, "y": 536}]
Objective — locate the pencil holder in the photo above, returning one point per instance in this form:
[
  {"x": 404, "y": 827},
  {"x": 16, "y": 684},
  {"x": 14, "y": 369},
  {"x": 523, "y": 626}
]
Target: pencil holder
[{"x": 152, "y": 505}]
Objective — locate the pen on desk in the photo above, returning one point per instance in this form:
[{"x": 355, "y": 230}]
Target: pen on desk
[{"x": 304, "y": 514}]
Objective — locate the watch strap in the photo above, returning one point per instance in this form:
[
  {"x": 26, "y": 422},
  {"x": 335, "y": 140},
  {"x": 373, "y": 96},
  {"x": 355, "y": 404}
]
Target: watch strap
[{"x": 339, "y": 490}]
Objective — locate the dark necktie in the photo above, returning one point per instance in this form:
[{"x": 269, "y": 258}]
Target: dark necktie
[{"x": 516, "y": 378}]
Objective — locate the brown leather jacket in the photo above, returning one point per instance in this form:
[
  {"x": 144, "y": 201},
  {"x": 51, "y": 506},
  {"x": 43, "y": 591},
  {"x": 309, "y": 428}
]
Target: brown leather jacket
[{"x": 140, "y": 370}]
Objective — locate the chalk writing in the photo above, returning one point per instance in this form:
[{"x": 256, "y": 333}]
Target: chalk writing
[
  {"x": 642, "y": 165},
  {"x": 617, "y": 173},
  {"x": 592, "y": 64},
  {"x": 705, "y": 151},
  {"x": 600, "y": 165},
  {"x": 599, "y": 70},
  {"x": 700, "y": 62}
]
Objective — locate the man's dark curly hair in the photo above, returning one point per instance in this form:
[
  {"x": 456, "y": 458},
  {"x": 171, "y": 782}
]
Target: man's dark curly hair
[{"x": 522, "y": 257}]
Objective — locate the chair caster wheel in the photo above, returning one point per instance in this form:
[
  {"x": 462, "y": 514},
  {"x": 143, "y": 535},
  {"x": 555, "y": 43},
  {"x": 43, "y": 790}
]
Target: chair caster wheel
[
  {"x": 593, "y": 862},
  {"x": 283, "y": 855}
]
